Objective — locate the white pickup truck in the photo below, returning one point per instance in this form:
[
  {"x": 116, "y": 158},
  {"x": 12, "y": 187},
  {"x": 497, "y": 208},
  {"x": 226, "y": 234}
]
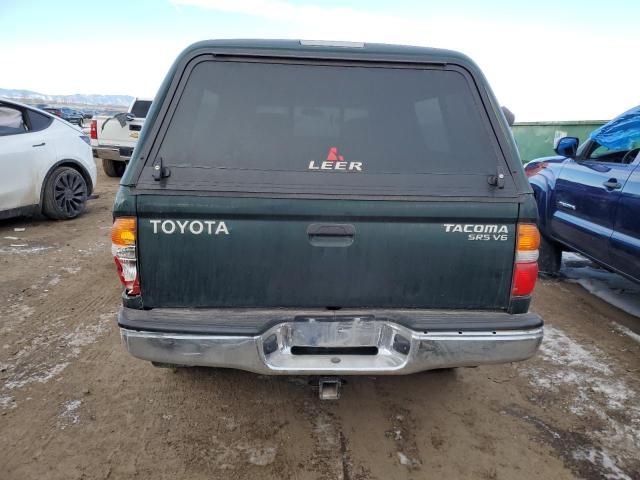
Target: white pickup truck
[{"x": 114, "y": 137}]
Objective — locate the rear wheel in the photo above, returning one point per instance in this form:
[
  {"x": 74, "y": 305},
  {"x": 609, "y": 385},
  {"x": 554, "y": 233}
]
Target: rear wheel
[
  {"x": 550, "y": 259},
  {"x": 65, "y": 194},
  {"x": 113, "y": 168}
]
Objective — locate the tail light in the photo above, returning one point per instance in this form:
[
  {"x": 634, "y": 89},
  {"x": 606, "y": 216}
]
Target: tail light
[
  {"x": 94, "y": 129},
  {"x": 525, "y": 272},
  {"x": 123, "y": 248}
]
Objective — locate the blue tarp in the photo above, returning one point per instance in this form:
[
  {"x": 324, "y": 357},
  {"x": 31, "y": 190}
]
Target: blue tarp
[{"x": 621, "y": 133}]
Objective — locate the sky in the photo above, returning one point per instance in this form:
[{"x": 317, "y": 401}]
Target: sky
[{"x": 544, "y": 59}]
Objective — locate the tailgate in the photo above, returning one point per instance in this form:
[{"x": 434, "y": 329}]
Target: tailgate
[
  {"x": 224, "y": 252},
  {"x": 111, "y": 133},
  {"x": 314, "y": 185}
]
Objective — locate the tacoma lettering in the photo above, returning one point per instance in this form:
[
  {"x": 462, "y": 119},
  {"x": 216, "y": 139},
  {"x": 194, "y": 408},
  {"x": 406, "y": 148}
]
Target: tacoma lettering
[{"x": 474, "y": 228}]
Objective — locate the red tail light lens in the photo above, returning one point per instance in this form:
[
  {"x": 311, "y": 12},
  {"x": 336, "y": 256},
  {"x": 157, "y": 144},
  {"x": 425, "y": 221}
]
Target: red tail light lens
[
  {"x": 524, "y": 278},
  {"x": 525, "y": 271},
  {"x": 94, "y": 129},
  {"x": 123, "y": 248}
]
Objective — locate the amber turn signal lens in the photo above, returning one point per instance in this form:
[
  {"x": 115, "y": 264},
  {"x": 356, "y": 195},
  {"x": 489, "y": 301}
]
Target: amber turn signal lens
[
  {"x": 123, "y": 231},
  {"x": 528, "y": 237}
]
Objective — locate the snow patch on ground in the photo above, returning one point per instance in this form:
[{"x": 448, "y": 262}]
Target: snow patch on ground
[
  {"x": 28, "y": 366},
  {"x": 82, "y": 336},
  {"x": 96, "y": 247},
  {"x": 582, "y": 368},
  {"x": 405, "y": 460},
  {"x": 590, "y": 387},
  {"x": 14, "y": 315},
  {"x": 228, "y": 454},
  {"x": 21, "y": 311},
  {"x": 625, "y": 331},
  {"x": 43, "y": 374},
  {"x": 7, "y": 402},
  {"x": 71, "y": 270},
  {"x": 70, "y": 414},
  {"x": 610, "y": 287},
  {"x": 559, "y": 348},
  {"x": 261, "y": 456},
  {"x": 22, "y": 249},
  {"x": 601, "y": 458}
]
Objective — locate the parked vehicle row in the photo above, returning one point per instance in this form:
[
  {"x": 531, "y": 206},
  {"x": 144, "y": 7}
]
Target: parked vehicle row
[
  {"x": 69, "y": 114},
  {"x": 46, "y": 165},
  {"x": 588, "y": 197}
]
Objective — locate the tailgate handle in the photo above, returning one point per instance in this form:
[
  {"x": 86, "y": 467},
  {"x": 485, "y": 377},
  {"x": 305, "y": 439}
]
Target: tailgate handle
[{"x": 331, "y": 234}]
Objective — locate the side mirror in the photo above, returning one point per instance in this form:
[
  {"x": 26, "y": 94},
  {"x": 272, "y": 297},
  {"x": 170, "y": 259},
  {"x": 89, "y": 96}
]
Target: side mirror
[
  {"x": 130, "y": 117},
  {"x": 567, "y": 147}
]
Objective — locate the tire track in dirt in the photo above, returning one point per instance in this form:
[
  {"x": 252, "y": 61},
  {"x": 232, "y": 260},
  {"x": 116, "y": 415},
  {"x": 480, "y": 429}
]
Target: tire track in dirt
[
  {"x": 59, "y": 302},
  {"x": 71, "y": 316}
]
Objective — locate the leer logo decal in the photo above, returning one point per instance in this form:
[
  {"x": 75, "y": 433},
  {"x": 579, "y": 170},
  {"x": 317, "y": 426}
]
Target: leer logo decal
[{"x": 336, "y": 162}]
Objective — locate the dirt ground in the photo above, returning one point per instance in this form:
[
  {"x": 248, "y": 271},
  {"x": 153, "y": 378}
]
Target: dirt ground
[{"x": 74, "y": 404}]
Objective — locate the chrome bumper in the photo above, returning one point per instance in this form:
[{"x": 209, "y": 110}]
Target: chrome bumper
[
  {"x": 296, "y": 348},
  {"x": 110, "y": 153}
]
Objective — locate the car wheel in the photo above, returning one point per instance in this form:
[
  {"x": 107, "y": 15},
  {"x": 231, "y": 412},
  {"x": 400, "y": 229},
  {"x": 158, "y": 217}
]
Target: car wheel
[
  {"x": 65, "y": 194},
  {"x": 550, "y": 259},
  {"x": 113, "y": 168},
  {"x": 80, "y": 123}
]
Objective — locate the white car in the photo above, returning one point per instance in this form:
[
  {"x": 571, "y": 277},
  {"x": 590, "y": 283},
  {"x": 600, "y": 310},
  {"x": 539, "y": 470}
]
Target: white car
[{"x": 46, "y": 164}]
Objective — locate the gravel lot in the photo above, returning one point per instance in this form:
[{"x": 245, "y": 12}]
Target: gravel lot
[{"x": 73, "y": 404}]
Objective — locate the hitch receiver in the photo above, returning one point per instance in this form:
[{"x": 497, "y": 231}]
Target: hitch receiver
[{"x": 329, "y": 388}]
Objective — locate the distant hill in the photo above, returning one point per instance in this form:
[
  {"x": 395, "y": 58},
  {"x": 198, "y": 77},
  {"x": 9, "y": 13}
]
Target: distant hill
[{"x": 28, "y": 96}]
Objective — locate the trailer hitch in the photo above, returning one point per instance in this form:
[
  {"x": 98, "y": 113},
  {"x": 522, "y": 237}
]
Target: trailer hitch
[{"x": 329, "y": 388}]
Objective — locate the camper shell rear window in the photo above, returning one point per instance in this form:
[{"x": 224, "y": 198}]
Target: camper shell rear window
[{"x": 309, "y": 128}]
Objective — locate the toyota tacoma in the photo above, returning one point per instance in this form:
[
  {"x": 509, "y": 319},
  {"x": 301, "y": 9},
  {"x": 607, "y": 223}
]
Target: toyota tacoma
[{"x": 326, "y": 209}]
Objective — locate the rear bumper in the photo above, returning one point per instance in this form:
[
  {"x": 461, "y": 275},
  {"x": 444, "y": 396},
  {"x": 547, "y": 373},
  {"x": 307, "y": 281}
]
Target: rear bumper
[
  {"x": 331, "y": 346},
  {"x": 113, "y": 153}
]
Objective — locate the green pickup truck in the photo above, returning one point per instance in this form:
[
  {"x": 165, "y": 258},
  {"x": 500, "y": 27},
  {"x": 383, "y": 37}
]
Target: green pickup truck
[{"x": 326, "y": 208}]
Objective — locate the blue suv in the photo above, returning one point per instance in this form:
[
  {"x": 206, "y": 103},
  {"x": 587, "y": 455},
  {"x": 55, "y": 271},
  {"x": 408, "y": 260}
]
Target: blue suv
[{"x": 589, "y": 197}]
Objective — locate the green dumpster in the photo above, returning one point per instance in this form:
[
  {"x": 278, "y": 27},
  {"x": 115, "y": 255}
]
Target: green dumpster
[{"x": 536, "y": 139}]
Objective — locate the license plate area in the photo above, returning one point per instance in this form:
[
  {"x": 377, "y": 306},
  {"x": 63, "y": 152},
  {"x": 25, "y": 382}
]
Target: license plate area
[
  {"x": 330, "y": 345},
  {"x": 334, "y": 332}
]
